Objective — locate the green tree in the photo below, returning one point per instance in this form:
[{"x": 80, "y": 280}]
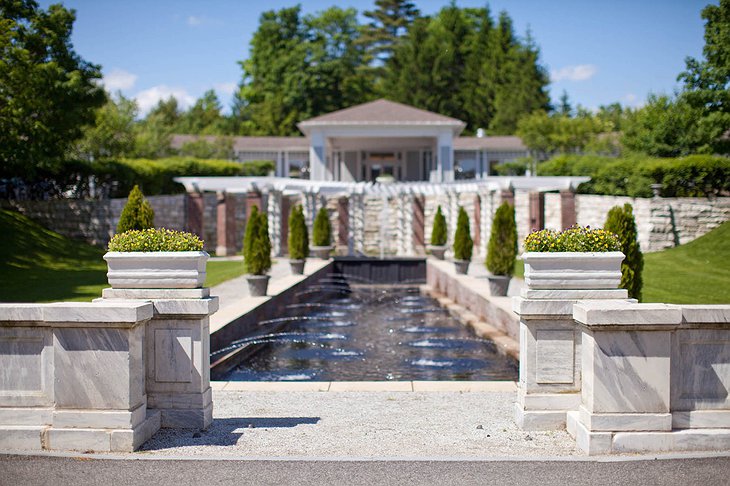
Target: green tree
[
  {"x": 389, "y": 21},
  {"x": 137, "y": 213},
  {"x": 564, "y": 107},
  {"x": 621, "y": 223},
  {"x": 546, "y": 135},
  {"x": 257, "y": 245},
  {"x": 47, "y": 92},
  {"x": 463, "y": 244},
  {"x": 204, "y": 117},
  {"x": 322, "y": 231},
  {"x": 707, "y": 81},
  {"x": 298, "y": 235},
  {"x": 502, "y": 246},
  {"x": 113, "y": 133},
  {"x": 439, "y": 232},
  {"x": 154, "y": 134},
  {"x": 209, "y": 148}
]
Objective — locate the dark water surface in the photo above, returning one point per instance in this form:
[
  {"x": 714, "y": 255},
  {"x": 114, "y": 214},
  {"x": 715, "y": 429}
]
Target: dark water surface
[{"x": 366, "y": 333}]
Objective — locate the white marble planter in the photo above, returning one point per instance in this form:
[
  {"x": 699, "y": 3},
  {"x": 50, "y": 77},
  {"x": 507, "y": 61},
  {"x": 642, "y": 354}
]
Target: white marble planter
[
  {"x": 156, "y": 270},
  {"x": 572, "y": 270}
]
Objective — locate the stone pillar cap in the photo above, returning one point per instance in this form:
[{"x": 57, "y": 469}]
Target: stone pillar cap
[{"x": 622, "y": 313}]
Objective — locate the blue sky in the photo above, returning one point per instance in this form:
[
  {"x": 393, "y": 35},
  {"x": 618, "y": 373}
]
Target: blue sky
[{"x": 598, "y": 51}]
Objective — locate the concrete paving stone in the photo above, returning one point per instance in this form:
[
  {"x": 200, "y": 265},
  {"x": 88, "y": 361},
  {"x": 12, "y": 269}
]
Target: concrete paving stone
[
  {"x": 370, "y": 386},
  {"x": 253, "y": 386}
]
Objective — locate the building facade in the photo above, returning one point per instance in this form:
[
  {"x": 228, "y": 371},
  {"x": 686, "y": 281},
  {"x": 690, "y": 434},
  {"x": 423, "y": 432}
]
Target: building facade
[{"x": 379, "y": 139}]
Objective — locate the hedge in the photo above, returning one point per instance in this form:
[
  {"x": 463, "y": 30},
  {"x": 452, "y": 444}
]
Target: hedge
[
  {"x": 154, "y": 177},
  {"x": 691, "y": 176}
]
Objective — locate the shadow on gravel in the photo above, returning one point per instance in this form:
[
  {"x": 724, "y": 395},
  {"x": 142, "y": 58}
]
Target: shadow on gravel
[{"x": 223, "y": 432}]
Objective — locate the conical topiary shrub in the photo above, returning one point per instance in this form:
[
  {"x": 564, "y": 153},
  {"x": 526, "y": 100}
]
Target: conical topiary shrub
[
  {"x": 322, "y": 231},
  {"x": 502, "y": 247},
  {"x": 298, "y": 235},
  {"x": 260, "y": 253},
  {"x": 137, "y": 213},
  {"x": 621, "y": 223},
  {"x": 463, "y": 244},
  {"x": 439, "y": 231}
]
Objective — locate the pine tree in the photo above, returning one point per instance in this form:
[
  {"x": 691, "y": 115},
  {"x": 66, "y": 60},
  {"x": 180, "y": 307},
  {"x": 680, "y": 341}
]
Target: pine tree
[
  {"x": 621, "y": 222},
  {"x": 298, "y": 235},
  {"x": 463, "y": 244},
  {"x": 137, "y": 213},
  {"x": 502, "y": 247},
  {"x": 439, "y": 231},
  {"x": 249, "y": 236},
  {"x": 322, "y": 231}
]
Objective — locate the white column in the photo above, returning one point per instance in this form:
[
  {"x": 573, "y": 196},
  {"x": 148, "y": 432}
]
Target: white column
[
  {"x": 356, "y": 230},
  {"x": 274, "y": 216},
  {"x": 446, "y": 155},
  {"x": 317, "y": 160}
]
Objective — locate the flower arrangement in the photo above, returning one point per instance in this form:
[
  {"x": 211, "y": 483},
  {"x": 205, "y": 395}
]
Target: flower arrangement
[
  {"x": 575, "y": 239},
  {"x": 155, "y": 239}
]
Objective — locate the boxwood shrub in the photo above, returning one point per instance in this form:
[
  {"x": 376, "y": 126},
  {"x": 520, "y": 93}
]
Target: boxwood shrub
[{"x": 155, "y": 239}]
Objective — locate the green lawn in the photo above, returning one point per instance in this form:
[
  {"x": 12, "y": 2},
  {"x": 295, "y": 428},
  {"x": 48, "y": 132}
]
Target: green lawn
[
  {"x": 39, "y": 265},
  {"x": 695, "y": 273}
]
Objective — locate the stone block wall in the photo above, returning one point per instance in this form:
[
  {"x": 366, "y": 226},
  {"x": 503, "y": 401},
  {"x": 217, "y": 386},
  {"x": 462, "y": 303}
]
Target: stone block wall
[{"x": 662, "y": 222}]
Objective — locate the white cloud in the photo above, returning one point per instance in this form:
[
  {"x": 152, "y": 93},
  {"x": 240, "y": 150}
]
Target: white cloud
[
  {"x": 630, "y": 99},
  {"x": 119, "y": 79},
  {"x": 148, "y": 99},
  {"x": 581, "y": 72},
  {"x": 194, "y": 21},
  {"x": 226, "y": 89}
]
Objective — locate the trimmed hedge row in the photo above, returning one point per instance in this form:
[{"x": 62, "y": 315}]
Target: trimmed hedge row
[
  {"x": 691, "y": 176},
  {"x": 156, "y": 176}
]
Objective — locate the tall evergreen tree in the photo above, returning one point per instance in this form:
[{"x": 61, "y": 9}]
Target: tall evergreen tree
[
  {"x": 389, "y": 21},
  {"x": 620, "y": 221}
]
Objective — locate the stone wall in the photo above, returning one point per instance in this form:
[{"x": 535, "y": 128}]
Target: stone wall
[{"x": 662, "y": 222}]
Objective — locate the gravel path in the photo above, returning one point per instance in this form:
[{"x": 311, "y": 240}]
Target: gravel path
[{"x": 362, "y": 424}]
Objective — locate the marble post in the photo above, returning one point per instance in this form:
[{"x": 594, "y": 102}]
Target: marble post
[
  {"x": 550, "y": 345},
  {"x": 343, "y": 225},
  {"x": 285, "y": 211},
  {"x": 177, "y": 350},
  {"x": 72, "y": 376},
  {"x": 655, "y": 378},
  {"x": 356, "y": 230}
]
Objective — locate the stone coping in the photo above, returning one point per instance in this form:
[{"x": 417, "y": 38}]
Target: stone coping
[
  {"x": 366, "y": 386},
  {"x": 100, "y": 314}
]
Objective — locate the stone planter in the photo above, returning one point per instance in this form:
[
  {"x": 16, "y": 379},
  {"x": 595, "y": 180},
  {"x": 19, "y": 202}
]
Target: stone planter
[
  {"x": 297, "y": 266},
  {"x": 438, "y": 251},
  {"x": 461, "y": 266},
  {"x": 257, "y": 285},
  {"x": 498, "y": 285},
  {"x": 572, "y": 270},
  {"x": 156, "y": 270},
  {"x": 322, "y": 252}
]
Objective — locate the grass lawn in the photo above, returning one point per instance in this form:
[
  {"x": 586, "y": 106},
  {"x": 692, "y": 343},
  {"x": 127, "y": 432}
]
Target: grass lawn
[
  {"x": 695, "y": 273},
  {"x": 39, "y": 265}
]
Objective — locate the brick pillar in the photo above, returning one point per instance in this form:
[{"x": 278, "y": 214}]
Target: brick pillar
[
  {"x": 508, "y": 197},
  {"x": 225, "y": 225},
  {"x": 253, "y": 198},
  {"x": 477, "y": 221},
  {"x": 568, "y": 217},
  {"x": 419, "y": 224},
  {"x": 195, "y": 208},
  {"x": 343, "y": 222},
  {"x": 537, "y": 210},
  {"x": 285, "y": 210}
]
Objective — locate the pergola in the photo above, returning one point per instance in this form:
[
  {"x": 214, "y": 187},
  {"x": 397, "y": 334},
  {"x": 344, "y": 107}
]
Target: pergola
[{"x": 353, "y": 194}]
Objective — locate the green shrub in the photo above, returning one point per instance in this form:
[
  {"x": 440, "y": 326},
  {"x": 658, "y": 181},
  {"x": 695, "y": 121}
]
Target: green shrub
[
  {"x": 502, "y": 246},
  {"x": 258, "y": 168},
  {"x": 155, "y": 239},
  {"x": 322, "y": 231},
  {"x": 137, "y": 213},
  {"x": 633, "y": 175},
  {"x": 463, "y": 244},
  {"x": 257, "y": 256},
  {"x": 576, "y": 238},
  {"x": 249, "y": 236},
  {"x": 439, "y": 231},
  {"x": 517, "y": 167},
  {"x": 298, "y": 235},
  {"x": 621, "y": 223}
]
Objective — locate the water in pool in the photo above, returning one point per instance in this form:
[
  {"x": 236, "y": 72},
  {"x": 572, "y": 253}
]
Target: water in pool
[{"x": 364, "y": 332}]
